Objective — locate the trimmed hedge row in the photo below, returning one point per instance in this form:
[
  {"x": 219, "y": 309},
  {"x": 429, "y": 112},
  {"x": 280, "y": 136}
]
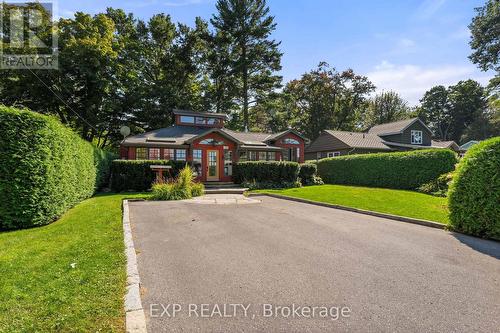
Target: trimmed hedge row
[
  {"x": 400, "y": 170},
  {"x": 266, "y": 172},
  {"x": 45, "y": 168},
  {"x": 474, "y": 195},
  {"x": 136, "y": 175}
]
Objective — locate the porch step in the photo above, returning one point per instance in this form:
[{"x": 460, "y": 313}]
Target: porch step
[
  {"x": 234, "y": 190},
  {"x": 221, "y": 185}
]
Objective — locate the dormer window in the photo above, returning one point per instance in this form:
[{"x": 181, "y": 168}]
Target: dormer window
[
  {"x": 289, "y": 141},
  {"x": 416, "y": 137},
  {"x": 187, "y": 119}
]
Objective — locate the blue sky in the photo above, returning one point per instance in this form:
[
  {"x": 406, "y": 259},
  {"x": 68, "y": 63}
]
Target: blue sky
[{"x": 407, "y": 46}]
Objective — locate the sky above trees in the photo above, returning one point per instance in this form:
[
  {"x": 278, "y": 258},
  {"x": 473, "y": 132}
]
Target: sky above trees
[{"x": 406, "y": 46}]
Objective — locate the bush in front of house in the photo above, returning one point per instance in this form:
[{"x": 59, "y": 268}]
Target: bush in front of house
[
  {"x": 308, "y": 174},
  {"x": 266, "y": 173},
  {"x": 136, "y": 175},
  {"x": 474, "y": 195},
  {"x": 183, "y": 187},
  {"x": 400, "y": 170},
  {"x": 45, "y": 168},
  {"x": 437, "y": 187}
]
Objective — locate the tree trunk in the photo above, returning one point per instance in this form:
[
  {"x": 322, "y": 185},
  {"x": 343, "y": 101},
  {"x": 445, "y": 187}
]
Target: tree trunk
[{"x": 245, "y": 86}]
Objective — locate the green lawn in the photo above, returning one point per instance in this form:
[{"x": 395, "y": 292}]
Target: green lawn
[
  {"x": 396, "y": 202},
  {"x": 41, "y": 292}
]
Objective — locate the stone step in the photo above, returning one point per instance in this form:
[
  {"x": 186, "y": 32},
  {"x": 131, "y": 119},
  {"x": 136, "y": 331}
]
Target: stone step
[
  {"x": 221, "y": 185},
  {"x": 235, "y": 190}
]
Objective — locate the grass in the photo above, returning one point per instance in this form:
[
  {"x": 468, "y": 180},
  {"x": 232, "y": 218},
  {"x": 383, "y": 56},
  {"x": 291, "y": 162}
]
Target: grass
[
  {"x": 396, "y": 202},
  {"x": 41, "y": 292}
]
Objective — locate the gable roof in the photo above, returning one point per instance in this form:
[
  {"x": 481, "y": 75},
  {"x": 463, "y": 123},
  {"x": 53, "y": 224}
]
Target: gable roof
[
  {"x": 182, "y": 135},
  {"x": 469, "y": 144},
  {"x": 444, "y": 144},
  {"x": 359, "y": 140},
  {"x": 395, "y": 127}
]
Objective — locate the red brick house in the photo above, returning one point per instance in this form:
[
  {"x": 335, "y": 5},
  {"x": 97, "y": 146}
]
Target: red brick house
[{"x": 200, "y": 138}]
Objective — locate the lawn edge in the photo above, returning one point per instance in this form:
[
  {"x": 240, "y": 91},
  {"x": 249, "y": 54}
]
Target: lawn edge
[
  {"x": 135, "y": 320},
  {"x": 412, "y": 220}
]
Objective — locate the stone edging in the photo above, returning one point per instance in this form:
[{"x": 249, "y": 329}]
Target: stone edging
[
  {"x": 135, "y": 320},
  {"x": 356, "y": 210}
]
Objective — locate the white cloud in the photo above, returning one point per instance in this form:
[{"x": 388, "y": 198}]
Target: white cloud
[
  {"x": 412, "y": 81},
  {"x": 181, "y": 3}
]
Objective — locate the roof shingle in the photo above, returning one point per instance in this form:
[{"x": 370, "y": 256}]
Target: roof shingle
[{"x": 360, "y": 140}]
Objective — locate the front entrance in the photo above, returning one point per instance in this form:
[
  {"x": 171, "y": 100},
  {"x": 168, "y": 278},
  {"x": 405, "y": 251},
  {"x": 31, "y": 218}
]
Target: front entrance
[{"x": 212, "y": 165}]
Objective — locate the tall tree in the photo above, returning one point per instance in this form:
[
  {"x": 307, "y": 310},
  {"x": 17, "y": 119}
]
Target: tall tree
[
  {"x": 449, "y": 112},
  {"x": 436, "y": 112},
  {"x": 468, "y": 102},
  {"x": 485, "y": 39},
  {"x": 243, "y": 28},
  {"x": 323, "y": 99},
  {"x": 384, "y": 108}
]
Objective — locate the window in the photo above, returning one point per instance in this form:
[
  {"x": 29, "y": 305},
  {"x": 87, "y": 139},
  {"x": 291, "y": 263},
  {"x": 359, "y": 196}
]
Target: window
[
  {"x": 228, "y": 163},
  {"x": 416, "y": 137},
  {"x": 212, "y": 121},
  {"x": 252, "y": 156},
  {"x": 187, "y": 119},
  {"x": 289, "y": 141},
  {"x": 271, "y": 156},
  {"x": 141, "y": 153},
  {"x": 333, "y": 154},
  {"x": 197, "y": 153},
  {"x": 180, "y": 154},
  {"x": 212, "y": 142},
  {"x": 154, "y": 153},
  {"x": 262, "y": 155},
  {"x": 168, "y": 154},
  {"x": 200, "y": 121},
  {"x": 243, "y": 156},
  {"x": 318, "y": 155}
]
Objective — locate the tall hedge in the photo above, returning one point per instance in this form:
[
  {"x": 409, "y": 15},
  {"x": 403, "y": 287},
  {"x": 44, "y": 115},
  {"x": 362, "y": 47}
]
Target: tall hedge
[
  {"x": 45, "y": 168},
  {"x": 266, "y": 172},
  {"x": 400, "y": 170},
  {"x": 136, "y": 175},
  {"x": 474, "y": 195}
]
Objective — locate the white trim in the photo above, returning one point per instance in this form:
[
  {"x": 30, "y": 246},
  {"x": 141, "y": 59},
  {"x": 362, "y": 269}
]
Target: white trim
[{"x": 333, "y": 154}]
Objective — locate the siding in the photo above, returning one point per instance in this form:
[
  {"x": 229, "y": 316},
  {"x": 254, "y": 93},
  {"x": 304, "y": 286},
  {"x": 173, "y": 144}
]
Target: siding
[
  {"x": 349, "y": 151},
  {"x": 405, "y": 137}
]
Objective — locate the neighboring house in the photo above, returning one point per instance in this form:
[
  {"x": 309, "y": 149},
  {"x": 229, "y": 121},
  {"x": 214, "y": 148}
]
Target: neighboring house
[
  {"x": 466, "y": 146},
  {"x": 201, "y": 138},
  {"x": 396, "y": 136}
]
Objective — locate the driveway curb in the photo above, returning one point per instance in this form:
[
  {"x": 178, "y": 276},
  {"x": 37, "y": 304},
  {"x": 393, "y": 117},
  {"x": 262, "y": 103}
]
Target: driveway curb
[
  {"x": 356, "y": 210},
  {"x": 135, "y": 320}
]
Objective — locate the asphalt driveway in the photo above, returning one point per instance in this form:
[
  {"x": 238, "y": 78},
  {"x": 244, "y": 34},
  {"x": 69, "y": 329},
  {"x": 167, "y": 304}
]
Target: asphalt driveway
[{"x": 292, "y": 267}]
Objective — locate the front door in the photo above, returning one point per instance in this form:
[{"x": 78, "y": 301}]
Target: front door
[{"x": 213, "y": 165}]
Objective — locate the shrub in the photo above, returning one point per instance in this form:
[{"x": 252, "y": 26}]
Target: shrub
[
  {"x": 401, "y": 170},
  {"x": 270, "y": 185},
  {"x": 308, "y": 174},
  {"x": 279, "y": 174},
  {"x": 182, "y": 187},
  {"x": 197, "y": 189},
  {"x": 136, "y": 175},
  {"x": 474, "y": 196},
  {"x": 45, "y": 168},
  {"x": 437, "y": 187}
]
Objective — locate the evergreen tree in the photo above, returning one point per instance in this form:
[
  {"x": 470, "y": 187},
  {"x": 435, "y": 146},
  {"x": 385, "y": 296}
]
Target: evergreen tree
[{"x": 243, "y": 29}]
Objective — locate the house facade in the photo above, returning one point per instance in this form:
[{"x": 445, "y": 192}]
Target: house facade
[
  {"x": 396, "y": 136},
  {"x": 212, "y": 149}
]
